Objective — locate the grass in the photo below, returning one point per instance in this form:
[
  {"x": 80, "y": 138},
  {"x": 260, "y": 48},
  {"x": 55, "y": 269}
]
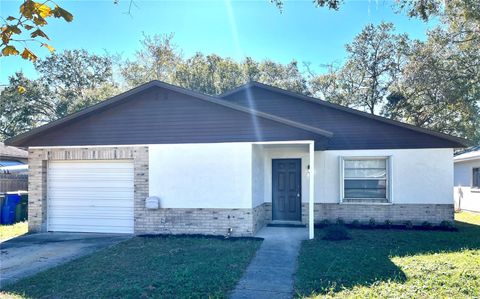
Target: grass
[
  {"x": 161, "y": 267},
  {"x": 14, "y": 230},
  {"x": 394, "y": 264}
]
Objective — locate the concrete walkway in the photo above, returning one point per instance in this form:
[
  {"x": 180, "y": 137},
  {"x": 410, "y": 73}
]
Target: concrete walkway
[{"x": 271, "y": 272}]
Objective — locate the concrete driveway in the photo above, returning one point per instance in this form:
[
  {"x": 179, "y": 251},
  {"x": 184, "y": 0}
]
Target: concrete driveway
[{"x": 26, "y": 255}]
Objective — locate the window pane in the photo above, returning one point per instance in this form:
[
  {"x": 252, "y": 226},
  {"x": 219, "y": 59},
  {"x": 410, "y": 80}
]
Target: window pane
[
  {"x": 476, "y": 178},
  {"x": 365, "y": 173},
  {"x": 365, "y": 184},
  {"x": 365, "y": 189},
  {"x": 365, "y": 193},
  {"x": 372, "y": 163}
]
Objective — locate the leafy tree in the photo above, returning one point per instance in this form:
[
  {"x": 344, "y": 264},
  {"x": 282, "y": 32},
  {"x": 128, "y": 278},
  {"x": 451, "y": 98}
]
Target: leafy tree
[
  {"x": 209, "y": 74},
  {"x": 77, "y": 79},
  {"x": 336, "y": 86},
  {"x": 68, "y": 82},
  {"x": 158, "y": 59},
  {"x": 439, "y": 87},
  {"x": 18, "y": 31},
  {"x": 20, "y": 112},
  {"x": 374, "y": 60},
  {"x": 284, "y": 76}
]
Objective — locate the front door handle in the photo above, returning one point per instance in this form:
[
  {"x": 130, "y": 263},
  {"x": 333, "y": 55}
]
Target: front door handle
[{"x": 298, "y": 194}]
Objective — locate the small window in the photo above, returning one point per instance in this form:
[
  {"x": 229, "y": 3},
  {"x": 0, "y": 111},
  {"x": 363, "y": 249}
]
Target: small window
[
  {"x": 365, "y": 179},
  {"x": 476, "y": 177}
]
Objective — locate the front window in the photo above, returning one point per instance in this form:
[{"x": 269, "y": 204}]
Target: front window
[
  {"x": 365, "y": 179},
  {"x": 476, "y": 177}
]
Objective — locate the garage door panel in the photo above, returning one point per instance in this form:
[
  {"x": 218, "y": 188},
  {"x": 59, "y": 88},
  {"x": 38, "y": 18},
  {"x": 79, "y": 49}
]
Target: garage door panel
[
  {"x": 91, "y": 196},
  {"x": 92, "y": 228},
  {"x": 111, "y": 204},
  {"x": 93, "y": 192}
]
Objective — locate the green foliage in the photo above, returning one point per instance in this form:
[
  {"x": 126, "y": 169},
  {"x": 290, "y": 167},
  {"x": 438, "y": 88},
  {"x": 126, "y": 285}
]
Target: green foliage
[
  {"x": 372, "y": 222},
  {"x": 20, "y": 112},
  {"x": 387, "y": 223},
  {"x": 426, "y": 224},
  {"x": 432, "y": 84},
  {"x": 340, "y": 221},
  {"x": 446, "y": 224},
  {"x": 408, "y": 224},
  {"x": 325, "y": 222},
  {"x": 160, "y": 59},
  {"x": 77, "y": 79},
  {"x": 336, "y": 232},
  {"x": 68, "y": 82},
  {"x": 356, "y": 223}
]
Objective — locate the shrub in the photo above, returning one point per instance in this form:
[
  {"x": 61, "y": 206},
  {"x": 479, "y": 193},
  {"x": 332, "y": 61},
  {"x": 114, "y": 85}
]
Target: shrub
[
  {"x": 340, "y": 221},
  {"x": 446, "y": 224},
  {"x": 356, "y": 223},
  {"x": 325, "y": 222},
  {"x": 372, "y": 222},
  {"x": 336, "y": 232},
  {"x": 408, "y": 224},
  {"x": 388, "y": 223},
  {"x": 426, "y": 224}
]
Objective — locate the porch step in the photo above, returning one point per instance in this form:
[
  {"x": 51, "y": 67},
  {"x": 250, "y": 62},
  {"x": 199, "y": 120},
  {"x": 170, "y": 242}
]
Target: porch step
[{"x": 286, "y": 224}]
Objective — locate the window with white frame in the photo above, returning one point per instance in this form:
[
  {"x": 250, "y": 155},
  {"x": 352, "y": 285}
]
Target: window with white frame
[
  {"x": 365, "y": 179},
  {"x": 476, "y": 177}
]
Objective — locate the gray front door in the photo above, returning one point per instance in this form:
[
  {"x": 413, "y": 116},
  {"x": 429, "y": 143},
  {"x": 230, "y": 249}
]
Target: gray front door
[{"x": 286, "y": 193}]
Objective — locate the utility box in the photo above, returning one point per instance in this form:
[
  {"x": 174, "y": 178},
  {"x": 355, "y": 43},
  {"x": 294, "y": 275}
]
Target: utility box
[{"x": 152, "y": 203}]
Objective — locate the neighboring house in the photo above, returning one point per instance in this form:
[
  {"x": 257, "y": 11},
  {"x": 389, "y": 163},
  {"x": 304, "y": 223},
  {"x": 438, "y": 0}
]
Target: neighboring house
[
  {"x": 13, "y": 169},
  {"x": 467, "y": 180},
  {"x": 255, "y": 155},
  {"x": 12, "y": 154}
]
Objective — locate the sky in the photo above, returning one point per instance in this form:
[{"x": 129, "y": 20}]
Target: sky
[{"x": 233, "y": 29}]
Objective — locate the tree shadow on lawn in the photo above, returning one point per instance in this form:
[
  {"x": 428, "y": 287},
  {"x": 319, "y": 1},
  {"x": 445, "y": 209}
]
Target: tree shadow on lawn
[{"x": 326, "y": 266}]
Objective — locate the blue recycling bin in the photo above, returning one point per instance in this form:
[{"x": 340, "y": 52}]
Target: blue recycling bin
[{"x": 8, "y": 209}]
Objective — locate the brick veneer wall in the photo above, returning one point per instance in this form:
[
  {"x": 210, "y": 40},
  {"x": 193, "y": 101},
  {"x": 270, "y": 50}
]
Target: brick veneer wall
[
  {"x": 175, "y": 221},
  {"x": 397, "y": 213},
  {"x": 262, "y": 215},
  {"x": 195, "y": 221}
]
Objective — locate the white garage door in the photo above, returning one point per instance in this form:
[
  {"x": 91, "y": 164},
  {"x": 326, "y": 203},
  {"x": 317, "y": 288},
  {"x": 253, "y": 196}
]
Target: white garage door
[{"x": 90, "y": 196}]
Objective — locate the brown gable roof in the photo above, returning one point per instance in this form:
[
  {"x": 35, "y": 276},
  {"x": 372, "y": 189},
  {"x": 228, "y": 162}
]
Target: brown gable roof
[
  {"x": 314, "y": 112},
  {"x": 54, "y": 133}
]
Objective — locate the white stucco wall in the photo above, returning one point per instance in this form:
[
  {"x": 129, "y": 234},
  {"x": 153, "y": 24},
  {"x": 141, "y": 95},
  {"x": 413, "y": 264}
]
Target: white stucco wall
[
  {"x": 201, "y": 175},
  {"x": 239, "y": 175},
  {"x": 258, "y": 174},
  {"x": 417, "y": 175},
  {"x": 466, "y": 198}
]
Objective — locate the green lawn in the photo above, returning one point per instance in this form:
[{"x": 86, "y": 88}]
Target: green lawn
[
  {"x": 162, "y": 267},
  {"x": 14, "y": 230},
  {"x": 394, "y": 264}
]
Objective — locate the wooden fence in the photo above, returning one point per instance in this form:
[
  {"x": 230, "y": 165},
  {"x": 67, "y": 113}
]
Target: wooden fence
[{"x": 13, "y": 182}]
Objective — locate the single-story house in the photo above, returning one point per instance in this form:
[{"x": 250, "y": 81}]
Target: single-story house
[
  {"x": 11, "y": 156},
  {"x": 467, "y": 180},
  {"x": 231, "y": 163},
  {"x": 13, "y": 169}
]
